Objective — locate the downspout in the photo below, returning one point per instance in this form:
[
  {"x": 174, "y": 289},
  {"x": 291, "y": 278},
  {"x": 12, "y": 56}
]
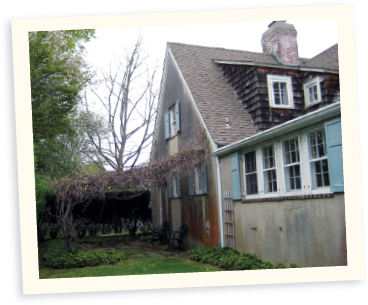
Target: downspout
[{"x": 219, "y": 199}]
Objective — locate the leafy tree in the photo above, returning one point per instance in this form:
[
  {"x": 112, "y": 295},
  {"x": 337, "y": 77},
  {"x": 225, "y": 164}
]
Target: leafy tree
[{"x": 58, "y": 74}]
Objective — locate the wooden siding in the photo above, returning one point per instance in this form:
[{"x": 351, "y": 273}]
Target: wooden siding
[{"x": 250, "y": 86}]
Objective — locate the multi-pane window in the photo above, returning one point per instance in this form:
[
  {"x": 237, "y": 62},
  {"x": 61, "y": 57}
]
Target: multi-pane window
[
  {"x": 251, "y": 173},
  {"x": 318, "y": 159},
  {"x": 175, "y": 186},
  {"x": 269, "y": 169},
  {"x": 292, "y": 164},
  {"x": 312, "y": 91},
  {"x": 198, "y": 181},
  {"x": 280, "y": 91},
  {"x": 172, "y": 122}
]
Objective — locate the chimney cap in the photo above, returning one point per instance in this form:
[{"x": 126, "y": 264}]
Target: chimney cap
[{"x": 273, "y": 22}]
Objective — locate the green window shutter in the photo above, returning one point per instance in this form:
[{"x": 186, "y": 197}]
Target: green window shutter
[
  {"x": 235, "y": 176},
  {"x": 334, "y": 153},
  {"x": 191, "y": 184},
  {"x": 204, "y": 178},
  {"x": 167, "y": 124},
  {"x": 179, "y": 185},
  {"x": 177, "y": 116},
  {"x": 169, "y": 186}
]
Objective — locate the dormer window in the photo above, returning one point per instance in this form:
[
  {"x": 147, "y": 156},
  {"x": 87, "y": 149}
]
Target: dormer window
[
  {"x": 312, "y": 91},
  {"x": 280, "y": 91}
]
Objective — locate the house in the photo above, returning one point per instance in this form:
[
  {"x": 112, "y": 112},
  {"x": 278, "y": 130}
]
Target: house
[{"x": 271, "y": 123}]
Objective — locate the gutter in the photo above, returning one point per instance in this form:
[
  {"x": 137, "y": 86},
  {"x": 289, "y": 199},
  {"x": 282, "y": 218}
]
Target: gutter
[
  {"x": 300, "y": 122},
  {"x": 219, "y": 200}
]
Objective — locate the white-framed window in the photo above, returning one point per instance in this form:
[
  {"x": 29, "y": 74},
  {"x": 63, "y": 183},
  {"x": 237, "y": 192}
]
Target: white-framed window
[
  {"x": 174, "y": 186},
  {"x": 312, "y": 91},
  {"x": 292, "y": 170},
  {"x": 173, "y": 130},
  {"x": 172, "y": 120},
  {"x": 197, "y": 181},
  {"x": 280, "y": 91},
  {"x": 269, "y": 169},
  {"x": 318, "y": 160},
  {"x": 297, "y": 164},
  {"x": 250, "y": 169}
]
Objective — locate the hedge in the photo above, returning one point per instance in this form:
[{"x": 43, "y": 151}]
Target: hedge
[
  {"x": 232, "y": 259},
  {"x": 56, "y": 257}
]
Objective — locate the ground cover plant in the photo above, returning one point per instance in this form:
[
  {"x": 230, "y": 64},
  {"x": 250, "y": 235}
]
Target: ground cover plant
[
  {"x": 232, "y": 259},
  {"x": 131, "y": 267},
  {"x": 55, "y": 256}
]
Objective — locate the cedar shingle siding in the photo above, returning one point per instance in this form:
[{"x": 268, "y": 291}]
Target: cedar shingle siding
[{"x": 246, "y": 87}]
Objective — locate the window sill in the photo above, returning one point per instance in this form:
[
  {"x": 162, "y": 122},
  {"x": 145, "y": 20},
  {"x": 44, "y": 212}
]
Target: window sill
[
  {"x": 282, "y": 198},
  {"x": 197, "y": 195},
  {"x": 172, "y": 137},
  {"x": 282, "y": 107},
  {"x": 309, "y": 105}
]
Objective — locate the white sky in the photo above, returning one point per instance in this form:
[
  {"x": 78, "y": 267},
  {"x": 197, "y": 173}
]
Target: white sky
[{"x": 314, "y": 36}]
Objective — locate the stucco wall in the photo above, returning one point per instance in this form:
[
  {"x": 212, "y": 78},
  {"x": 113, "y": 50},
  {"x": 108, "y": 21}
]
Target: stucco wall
[{"x": 308, "y": 232}]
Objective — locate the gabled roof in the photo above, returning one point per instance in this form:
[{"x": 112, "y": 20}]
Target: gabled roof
[{"x": 214, "y": 97}]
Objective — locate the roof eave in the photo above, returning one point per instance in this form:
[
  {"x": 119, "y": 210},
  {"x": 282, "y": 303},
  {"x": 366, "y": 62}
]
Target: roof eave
[
  {"x": 303, "y": 121},
  {"x": 290, "y": 67}
]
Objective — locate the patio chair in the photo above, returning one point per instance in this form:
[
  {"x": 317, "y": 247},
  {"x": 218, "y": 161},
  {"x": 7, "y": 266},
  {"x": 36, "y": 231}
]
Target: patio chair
[
  {"x": 160, "y": 233},
  {"x": 177, "y": 236}
]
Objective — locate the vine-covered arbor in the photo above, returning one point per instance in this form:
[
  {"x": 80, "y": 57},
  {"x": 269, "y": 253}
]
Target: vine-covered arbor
[{"x": 84, "y": 189}]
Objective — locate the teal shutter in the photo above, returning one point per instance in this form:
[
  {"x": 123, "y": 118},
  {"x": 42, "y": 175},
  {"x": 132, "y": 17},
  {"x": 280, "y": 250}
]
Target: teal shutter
[
  {"x": 235, "y": 176},
  {"x": 191, "y": 184},
  {"x": 169, "y": 186},
  {"x": 204, "y": 178},
  {"x": 334, "y": 153},
  {"x": 177, "y": 116},
  {"x": 179, "y": 185},
  {"x": 167, "y": 124}
]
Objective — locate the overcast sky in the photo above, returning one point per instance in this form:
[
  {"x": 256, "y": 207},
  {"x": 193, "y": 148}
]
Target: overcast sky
[{"x": 314, "y": 36}]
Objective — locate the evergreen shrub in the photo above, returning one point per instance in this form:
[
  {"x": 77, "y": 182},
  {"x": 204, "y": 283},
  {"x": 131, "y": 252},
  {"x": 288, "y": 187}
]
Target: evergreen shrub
[
  {"x": 56, "y": 257},
  {"x": 232, "y": 259}
]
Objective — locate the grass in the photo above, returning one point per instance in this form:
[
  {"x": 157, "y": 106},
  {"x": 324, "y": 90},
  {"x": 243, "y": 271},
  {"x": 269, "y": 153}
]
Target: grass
[
  {"x": 131, "y": 267},
  {"x": 137, "y": 266}
]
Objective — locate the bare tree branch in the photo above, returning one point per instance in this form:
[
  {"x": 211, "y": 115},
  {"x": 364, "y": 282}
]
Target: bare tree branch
[{"x": 129, "y": 112}]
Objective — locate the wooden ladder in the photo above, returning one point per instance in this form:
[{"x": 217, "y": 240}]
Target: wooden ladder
[{"x": 229, "y": 229}]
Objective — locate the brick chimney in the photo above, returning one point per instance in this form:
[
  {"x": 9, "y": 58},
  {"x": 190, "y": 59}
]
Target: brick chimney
[{"x": 280, "y": 41}]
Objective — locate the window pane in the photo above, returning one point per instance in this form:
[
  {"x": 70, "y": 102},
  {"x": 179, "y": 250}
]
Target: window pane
[
  {"x": 251, "y": 184},
  {"x": 291, "y": 151},
  {"x": 294, "y": 179},
  {"x": 315, "y": 94},
  {"x": 251, "y": 173},
  {"x": 250, "y": 162},
  {"x": 310, "y": 94},
  {"x": 284, "y": 95},
  {"x": 276, "y": 93},
  {"x": 270, "y": 181}
]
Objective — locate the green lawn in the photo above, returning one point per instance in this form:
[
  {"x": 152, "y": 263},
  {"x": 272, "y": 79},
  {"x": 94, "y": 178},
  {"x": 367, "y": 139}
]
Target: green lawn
[
  {"x": 137, "y": 266},
  {"x": 131, "y": 267}
]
